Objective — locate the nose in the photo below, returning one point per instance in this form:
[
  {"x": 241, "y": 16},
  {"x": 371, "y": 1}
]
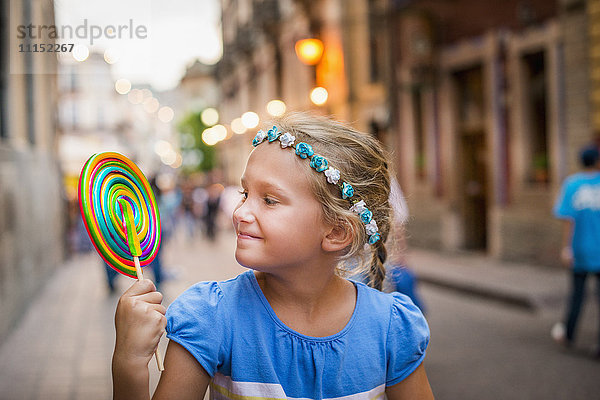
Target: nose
[{"x": 243, "y": 213}]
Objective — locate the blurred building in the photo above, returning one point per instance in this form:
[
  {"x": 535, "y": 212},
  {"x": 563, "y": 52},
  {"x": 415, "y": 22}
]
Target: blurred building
[
  {"x": 484, "y": 104},
  {"x": 31, "y": 202},
  {"x": 91, "y": 117},
  {"x": 197, "y": 89},
  {"x": 490, "y": 114},
  {"x": 94, "y": 117}
]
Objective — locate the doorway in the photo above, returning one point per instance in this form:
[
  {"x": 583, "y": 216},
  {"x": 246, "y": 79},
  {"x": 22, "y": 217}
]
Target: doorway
[{"x": 471, "y": 157}]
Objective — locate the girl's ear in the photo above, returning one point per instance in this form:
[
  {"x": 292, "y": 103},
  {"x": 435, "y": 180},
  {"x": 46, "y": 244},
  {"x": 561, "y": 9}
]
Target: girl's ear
[{"x": 338, "y": 238}]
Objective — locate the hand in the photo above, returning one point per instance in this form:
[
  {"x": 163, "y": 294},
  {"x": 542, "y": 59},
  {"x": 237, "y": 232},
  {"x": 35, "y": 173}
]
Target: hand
[
  {"x": 140, "y": 322},
  {"x": 566, "y": 256}
]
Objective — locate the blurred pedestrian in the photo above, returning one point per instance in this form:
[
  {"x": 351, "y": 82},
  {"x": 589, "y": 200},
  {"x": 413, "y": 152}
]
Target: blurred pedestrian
[
  {"x": 290, "y": 326},
  {"x": 188, "y": 214},
  {"x": 212, "y": 210},
  {"x": 578, "y": 205}
]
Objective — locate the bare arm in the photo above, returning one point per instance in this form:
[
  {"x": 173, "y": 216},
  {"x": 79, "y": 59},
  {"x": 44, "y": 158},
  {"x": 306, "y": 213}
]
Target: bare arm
[
  {"x": 414, "y": 387},
  {"x": 566, "y": 254},
  {"x": 140, "y": 322},
  {"x": 183, "y": 377}
]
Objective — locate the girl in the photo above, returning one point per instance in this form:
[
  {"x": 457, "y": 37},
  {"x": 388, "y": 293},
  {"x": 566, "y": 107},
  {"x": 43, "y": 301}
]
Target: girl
[{"x": 315, "y": 194}]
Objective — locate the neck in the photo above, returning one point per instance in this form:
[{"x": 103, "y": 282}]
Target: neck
[{"x": 302, "y": 289}]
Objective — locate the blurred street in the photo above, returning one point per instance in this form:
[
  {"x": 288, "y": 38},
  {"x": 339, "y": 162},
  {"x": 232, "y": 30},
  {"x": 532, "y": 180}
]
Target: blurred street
[
  {"x": 482, "y": 347},
  {"x": 483, "y": 107}
]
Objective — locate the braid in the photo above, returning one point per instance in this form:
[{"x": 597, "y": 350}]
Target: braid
[{"x": 377, "y": 270}]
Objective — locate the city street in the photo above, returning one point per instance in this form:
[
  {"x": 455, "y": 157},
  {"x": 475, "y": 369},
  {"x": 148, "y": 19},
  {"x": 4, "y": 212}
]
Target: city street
[{"x": 480, "y": 349}]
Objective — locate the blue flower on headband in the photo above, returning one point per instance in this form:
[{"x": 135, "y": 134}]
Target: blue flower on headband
[
  {"x": 347, "y": 190},
  {"x": 304, "y": 150},
  {"x": 258, "y": 139},
  {"x": 319, "y": 163},
  {"x": 273, "y": 133},
  {"x": 366, "y": 216},
  {"x": 374, "y": 238}
]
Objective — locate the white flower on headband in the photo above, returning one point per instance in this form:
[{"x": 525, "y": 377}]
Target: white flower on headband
[
  {"x": 359, "y": 207},
  {"x": 286, "y": 140},
  {"x": 371, "y": 228},
  {"x": 333, "y": 175}
]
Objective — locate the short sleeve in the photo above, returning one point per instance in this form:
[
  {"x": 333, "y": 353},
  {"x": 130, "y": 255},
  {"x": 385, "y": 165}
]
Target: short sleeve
[
  {"x": 408, "y": 337},
  {"x": 195, "y": 321},
  {"x": 563, "y": 207}
]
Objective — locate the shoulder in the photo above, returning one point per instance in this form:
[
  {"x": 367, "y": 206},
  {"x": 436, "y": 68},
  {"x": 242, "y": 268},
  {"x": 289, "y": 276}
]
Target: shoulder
[
  {"x": 575, "y": 179},
  {"x": 407, "y": 339},
  {"x": 401, "y": 327},
  {"x": 204, "y": 299},
  {"x": 397, "y": 311},
  {"x": 200, "y": 318},
  {"x": 407, "y": 317}
]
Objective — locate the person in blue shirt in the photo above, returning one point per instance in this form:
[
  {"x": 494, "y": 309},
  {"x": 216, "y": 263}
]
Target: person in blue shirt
[
  {"x": 578, "y": 205},
  {"x": 314, "y": 193}
]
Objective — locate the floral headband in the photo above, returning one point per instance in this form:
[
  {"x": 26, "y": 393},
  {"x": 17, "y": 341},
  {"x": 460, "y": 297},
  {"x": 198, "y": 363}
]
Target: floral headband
[{"x": 320, "y": 164}]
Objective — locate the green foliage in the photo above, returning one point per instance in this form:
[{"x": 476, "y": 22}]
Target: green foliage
[{"x": 197, "y": 155}]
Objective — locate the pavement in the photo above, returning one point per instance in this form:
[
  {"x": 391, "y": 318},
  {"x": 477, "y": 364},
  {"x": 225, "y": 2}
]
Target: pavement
[
  {"x": 532, "y": 287},
  {"x": 62, "y": 346}
]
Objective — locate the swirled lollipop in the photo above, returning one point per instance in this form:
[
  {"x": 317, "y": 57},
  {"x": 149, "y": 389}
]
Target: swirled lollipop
[
  {"x": 120, "y": 214},
  {"x": 113, "y": 190}
]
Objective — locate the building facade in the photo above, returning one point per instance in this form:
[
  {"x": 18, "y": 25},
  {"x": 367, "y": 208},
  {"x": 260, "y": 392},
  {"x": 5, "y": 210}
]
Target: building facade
[
  {"x": 490, "y": 120},
  {"x": 31, "y": 202}
]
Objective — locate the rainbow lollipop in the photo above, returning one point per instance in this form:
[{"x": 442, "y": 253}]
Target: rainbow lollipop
[
  {"x": 119, "y": 211},
  {"x": 120, "y": 214}
]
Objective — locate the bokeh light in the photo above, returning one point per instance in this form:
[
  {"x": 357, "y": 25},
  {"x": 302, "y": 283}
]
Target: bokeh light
[
  {"x": 122, "y": 86},
  {"x": 319, "y": 96},
  {"x": 151, "y": 105},
  {"x": 209, "y": 116},
  {"x": 276, "y": 108},
  {"x": 111, "y": 56},
  {"x": 166, "y": 114},
  {"x": 237, "y": 126},
  {"x": 135, "y": 96},
  {"x": 250, "y": 119},
  {"x": 80, "y": 53}
]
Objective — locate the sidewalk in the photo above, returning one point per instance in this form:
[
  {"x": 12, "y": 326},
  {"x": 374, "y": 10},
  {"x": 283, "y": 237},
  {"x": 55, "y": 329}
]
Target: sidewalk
[
  {"x": 62, "y": 347},
  {"x": 531, "y": 287}
]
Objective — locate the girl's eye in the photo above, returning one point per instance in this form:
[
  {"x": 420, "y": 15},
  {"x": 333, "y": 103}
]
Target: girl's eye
[
  {"x": 270, "y": 201},
  {"x": 243, "y": 193}
]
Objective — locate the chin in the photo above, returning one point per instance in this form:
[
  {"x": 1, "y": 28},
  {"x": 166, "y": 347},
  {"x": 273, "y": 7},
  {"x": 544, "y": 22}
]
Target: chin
[
  {"x": 244, "y": 259},
  {"x": 251, "y": 262}
]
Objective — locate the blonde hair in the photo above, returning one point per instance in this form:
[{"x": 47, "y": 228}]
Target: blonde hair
[{"x": 362, "y": 162}]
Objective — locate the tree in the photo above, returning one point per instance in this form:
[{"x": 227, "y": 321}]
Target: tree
[{"x": 197, "y": 155}]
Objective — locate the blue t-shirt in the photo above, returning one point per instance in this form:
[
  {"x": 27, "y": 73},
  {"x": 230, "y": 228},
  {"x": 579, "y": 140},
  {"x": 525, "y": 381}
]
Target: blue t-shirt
[
  {"x": 579, "y": 200},
  {"x": 233, "y": 332}
]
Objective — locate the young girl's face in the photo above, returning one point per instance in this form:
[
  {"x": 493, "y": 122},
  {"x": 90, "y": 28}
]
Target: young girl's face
[{"x": 278, "y": 220}]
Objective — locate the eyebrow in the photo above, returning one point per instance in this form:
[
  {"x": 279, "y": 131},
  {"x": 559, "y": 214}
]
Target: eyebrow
[{"x": 266, "y": 184}]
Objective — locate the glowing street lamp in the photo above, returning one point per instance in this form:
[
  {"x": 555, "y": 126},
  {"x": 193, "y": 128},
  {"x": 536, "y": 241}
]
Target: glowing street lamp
[{"x": 309, "y": 51}]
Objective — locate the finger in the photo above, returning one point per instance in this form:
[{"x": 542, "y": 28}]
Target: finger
[
  {"x": 158, "y": 308},
  {"x": 140, "y": 287},
  {"x": 151, "y": 297}
]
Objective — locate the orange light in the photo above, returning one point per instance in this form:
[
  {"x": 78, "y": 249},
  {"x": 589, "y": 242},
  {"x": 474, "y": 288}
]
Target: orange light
[{"x": 309, "y": 51}]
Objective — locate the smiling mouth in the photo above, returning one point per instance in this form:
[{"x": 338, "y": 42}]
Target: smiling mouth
[{"x": 249, "y": 237}]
